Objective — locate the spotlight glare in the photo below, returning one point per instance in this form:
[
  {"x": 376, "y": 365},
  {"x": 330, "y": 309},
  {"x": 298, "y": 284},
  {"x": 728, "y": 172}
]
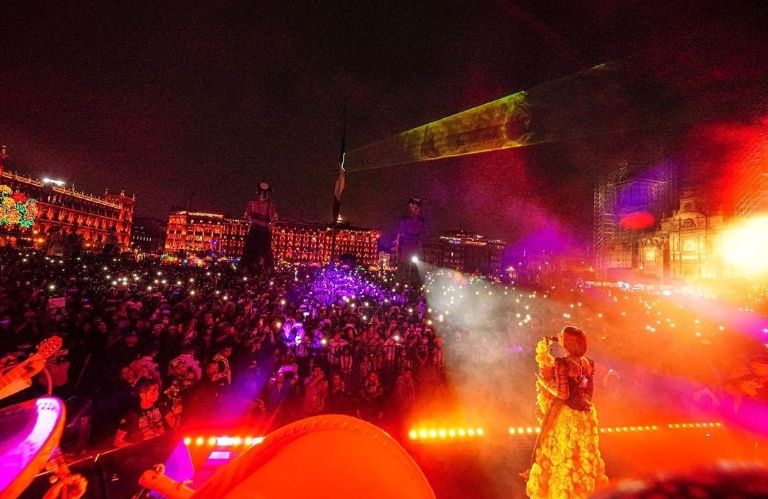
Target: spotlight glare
[{"x": 743, "y": 246}]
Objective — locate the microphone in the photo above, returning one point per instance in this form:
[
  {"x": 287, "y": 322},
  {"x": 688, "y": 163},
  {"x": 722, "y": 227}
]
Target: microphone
[{"x": 550, "y": 339}]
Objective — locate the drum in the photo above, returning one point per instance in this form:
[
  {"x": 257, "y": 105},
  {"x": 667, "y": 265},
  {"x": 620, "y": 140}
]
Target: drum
[{"x": 329, "y": 456}]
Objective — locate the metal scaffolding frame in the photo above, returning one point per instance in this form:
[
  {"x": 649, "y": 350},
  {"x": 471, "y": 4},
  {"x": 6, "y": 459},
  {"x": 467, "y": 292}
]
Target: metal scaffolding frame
[
  {"x": 604, "y": 206},
  {"x": 608, "y": 234}
]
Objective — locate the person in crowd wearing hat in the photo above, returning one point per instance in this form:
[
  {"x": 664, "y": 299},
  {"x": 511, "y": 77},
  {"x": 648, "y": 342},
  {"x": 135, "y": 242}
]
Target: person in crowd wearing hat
[
  {"x": 408, "y": 242},
  {"x": 261, "y": 214}
]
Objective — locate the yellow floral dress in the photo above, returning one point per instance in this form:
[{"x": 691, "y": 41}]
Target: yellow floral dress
[{"x": 566, "y": 460}]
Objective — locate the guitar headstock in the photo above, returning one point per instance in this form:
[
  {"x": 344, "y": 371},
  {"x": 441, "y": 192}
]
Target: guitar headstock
[{"x": 49, "y": 346}]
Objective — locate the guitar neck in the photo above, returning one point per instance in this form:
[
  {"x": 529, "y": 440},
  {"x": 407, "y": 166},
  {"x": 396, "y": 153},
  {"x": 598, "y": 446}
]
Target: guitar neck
[{"x": 17, "y": 371}]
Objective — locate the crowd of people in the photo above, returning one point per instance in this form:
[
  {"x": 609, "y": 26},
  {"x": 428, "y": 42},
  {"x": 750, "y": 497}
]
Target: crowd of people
[{"x": 150, "y": 348}]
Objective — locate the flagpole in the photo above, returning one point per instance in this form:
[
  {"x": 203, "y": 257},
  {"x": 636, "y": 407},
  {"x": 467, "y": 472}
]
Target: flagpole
[{"x": 338, "y": 188}]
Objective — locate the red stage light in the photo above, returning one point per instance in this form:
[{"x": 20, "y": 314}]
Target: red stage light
[{"x": 637, "y": 220}]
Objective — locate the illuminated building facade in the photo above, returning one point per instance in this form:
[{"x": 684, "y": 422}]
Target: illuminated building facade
[
  {"x": 310, "y": 243},
  {"x": 465, "y": 252},
  {"x": 93, "y": 217},
  {"x": 684, "y": 245},
  {"x": 292, "y": 242},
  {"x": 197, "y": 232}
]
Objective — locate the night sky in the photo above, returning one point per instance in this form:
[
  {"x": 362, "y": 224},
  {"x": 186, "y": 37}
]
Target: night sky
[{"x": 194, "y": 106}]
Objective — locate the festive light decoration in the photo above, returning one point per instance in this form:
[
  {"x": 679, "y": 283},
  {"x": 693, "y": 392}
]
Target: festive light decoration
[{"x": 17, "y": 208}]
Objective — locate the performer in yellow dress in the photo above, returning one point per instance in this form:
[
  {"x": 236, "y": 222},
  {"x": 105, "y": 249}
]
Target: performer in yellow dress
[{"x": 566, "y": 461}]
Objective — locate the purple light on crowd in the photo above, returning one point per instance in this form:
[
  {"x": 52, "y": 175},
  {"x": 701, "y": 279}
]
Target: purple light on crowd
[{"x": 338, "y": 286}]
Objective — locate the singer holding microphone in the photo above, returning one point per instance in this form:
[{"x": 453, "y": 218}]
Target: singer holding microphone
[{"x": 566, "y": 460}]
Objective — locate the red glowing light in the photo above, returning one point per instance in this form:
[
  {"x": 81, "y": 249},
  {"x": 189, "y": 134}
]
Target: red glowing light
[{"x": 637, "y": 220}]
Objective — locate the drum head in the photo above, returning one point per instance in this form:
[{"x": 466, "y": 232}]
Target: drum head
[{"x": 323, "y": 456}]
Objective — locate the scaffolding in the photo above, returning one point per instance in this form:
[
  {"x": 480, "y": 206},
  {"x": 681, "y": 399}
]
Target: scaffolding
[
  {"x": 604, "y": 206},
  {"x": 621, "y": 192}
]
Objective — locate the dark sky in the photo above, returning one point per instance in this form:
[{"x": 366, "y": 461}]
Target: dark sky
[{"x": 201, "y": 103}]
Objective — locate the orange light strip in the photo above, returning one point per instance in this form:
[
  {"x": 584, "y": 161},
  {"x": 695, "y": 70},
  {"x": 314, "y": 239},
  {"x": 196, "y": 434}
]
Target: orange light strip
[
  {"x": 628, "y": 429},
  {"x": 446, "y": 433},
  {"x": 528, "y": 430},
  {"x": 436, "y": 433},
  {"x": 681, "y": 426},
  {"x": 222, "y": 441}
]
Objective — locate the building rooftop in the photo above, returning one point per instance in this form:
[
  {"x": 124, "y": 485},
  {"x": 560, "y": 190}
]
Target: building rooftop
[{"x": 45, "y": 183}]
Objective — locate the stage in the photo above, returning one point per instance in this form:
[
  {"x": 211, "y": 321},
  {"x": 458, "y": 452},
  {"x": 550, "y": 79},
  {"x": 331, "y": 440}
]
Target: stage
[{"x": 481, "y": 467}]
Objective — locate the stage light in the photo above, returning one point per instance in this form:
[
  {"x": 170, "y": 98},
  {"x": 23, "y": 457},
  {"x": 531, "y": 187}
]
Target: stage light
[
  {"x": 199, "y": 441},
  {"x": 211, "y": 441},
  {"x": 412, "y": 435},
  {"x": 187, "y": 441},
  {"x": 742, "y": 246}
]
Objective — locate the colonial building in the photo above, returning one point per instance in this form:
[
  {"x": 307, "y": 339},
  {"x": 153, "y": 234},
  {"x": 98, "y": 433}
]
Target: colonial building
[
  {"x": 466, "y": 252},
  {"x": 94, "y": 218},
  {"x": 310, "y": 243},
  {"x": 198, "y": 232},
  {"x": 292, "y": 242},
  {"x": 684, "y": 245}
]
